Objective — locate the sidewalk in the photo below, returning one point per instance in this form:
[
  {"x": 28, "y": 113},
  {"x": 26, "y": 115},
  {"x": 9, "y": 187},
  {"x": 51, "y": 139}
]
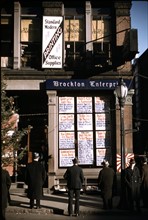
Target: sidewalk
[
  {"x": 54, "y": 203},
  {"x": 57, "y": 204}
]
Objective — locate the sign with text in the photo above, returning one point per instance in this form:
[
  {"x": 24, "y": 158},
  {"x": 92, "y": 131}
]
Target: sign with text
[
  {"x": 102, "y": 154},
  {"x": 66, "y": 122},
  {"x": 84, "y": 104},
  {"x": 66, "y": 157},
  {"x": 102, "y": 121},
  {"x": 102, "y": 104},
  {"x": 103, "y": 139},
  {"x": 66, "y": 140},
  {"x": 52, "y": 42},
  {"x": 66, "y": 104},
  {"x": 84, "y": 122},
  {"x": 85, "y": 149}
]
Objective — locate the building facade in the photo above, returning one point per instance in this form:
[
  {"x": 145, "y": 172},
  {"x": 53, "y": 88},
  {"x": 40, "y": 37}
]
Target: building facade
[
  {"x": 63, "y": 62},
  {"x": 140, "y": 70}
]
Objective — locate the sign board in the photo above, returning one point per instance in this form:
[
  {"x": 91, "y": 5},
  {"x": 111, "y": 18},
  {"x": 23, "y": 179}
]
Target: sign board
[
  {"x": 52, "y": 42},
  {"x": 66, "y": 157},
  {"x": 78, "y": 84}
]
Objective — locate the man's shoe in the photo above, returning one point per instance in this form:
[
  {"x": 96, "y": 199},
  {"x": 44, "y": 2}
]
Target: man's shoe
[
  {"x": 77, "y": 215},
  {"x": 38, "y": 207}
]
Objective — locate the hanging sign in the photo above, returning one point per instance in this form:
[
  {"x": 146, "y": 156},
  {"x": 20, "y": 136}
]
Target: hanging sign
[{"x": 52, "y": 42}]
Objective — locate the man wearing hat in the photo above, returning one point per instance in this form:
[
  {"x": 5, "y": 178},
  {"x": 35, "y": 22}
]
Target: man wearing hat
[
  {"x": 34, "y": 177},
  {"x": 132, "y": 185},
  {"x": 106, "y": 181},
  {"x": 144, "y": 185},
  {"x": 75, "y": 178}
]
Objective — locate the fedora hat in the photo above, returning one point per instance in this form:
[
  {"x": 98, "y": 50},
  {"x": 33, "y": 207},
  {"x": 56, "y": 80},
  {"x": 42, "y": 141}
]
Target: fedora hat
[
  {"x": 132, "y": 161},
  {"x": 36, "y": 155},
  {"x": 105, "y": 162},
  {"x": 75, "y": 160}
]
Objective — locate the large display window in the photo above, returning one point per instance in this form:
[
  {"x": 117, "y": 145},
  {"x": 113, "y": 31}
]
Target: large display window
[{"x": 84, "y": 130}]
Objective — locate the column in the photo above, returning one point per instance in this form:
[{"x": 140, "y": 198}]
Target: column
[
  {"x": 128, "y": 124},
  {"x": 17, "y": 33},
  {"x": 88, "y": 17},
  {"x": 52, "y": 138},
  {"x": 128, "y": 135}
]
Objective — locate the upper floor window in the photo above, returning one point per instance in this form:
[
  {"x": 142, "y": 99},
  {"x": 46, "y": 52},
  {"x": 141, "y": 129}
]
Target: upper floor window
[
  {"x": 30, "y": 38},
  {"x": 6, "y": 41},
  {"x": 101, "y": 37},
  {"x": 74, "y": 35}
]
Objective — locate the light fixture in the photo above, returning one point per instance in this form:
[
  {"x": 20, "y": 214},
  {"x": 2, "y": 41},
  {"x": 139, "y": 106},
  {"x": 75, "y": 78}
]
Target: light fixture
[{"x": 121, "y": 93}]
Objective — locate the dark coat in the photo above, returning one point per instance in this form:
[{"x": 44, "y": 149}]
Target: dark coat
[
  {"x": 145, "y": 177},
  {"x": 132, "y": 183},
  {"x": 144, "y": 185},
  {"x": 74, "y": 176},
  {"x": 106, "y": 180},
  {"x": 6, "y": 183},
  {"x": 35, "y": 177}
]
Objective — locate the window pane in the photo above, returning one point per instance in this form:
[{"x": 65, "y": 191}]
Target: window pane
[
  {"x": 6, "y": 41},
  {"x": 6, "y": 29},
  {"x": 74, "y": 30},
  {"x": 30, "y": 55},
  {"x": 30, "y": 30},
  {"x": 101, "y": 30}
]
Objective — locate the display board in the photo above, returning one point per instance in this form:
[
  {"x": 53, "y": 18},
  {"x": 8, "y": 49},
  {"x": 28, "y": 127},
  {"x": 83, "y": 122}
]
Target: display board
[
  {"x": 66, "y": 104},
  {"x": 84, "y": 130},
  {"x": 66, "y": 122},
  {"x": 84, "y": 104},
  {"x": 85, "y": 149},
  {"x": 66, "y": 157},
  {"x": 66, "y": 140}
]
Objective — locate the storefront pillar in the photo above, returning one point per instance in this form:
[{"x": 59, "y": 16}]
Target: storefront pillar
[
  {"x": 52, "y": 138},
  {"x": 128, "y": 134},
  {"x": 128, "y": 124}
]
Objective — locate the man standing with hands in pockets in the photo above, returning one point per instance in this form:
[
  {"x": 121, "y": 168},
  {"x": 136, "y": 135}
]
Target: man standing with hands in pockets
[
  {"x": 35, "y": 177},
  {"x": 75, "y": 178}
]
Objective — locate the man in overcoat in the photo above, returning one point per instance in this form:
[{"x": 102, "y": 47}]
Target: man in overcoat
[
  {"x": 6, "y": 183},
  {"x": 106, "y": 182},
  {"x": 144, "y": 184},
  {"x": 132, "y": 186},
  {"x": 34, "y": 178},
  {"x": 75, "y": 178}
]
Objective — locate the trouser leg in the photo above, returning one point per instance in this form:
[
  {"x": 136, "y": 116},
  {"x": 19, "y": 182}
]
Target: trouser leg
[
  {"x": 3, "y": 214},
  {"x": 31, "y": 203},
  {"x": 138, "y": 205},
  {"x": 105, "y": 202},
  {"x": 38, "y": 202},
  {"x": 77, "y": 198},
  {"x": 110, "y": 203},
  {"x": 70, "y": 201}
]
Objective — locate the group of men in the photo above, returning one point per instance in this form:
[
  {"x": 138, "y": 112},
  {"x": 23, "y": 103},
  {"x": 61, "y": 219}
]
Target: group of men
[
  {"x": 135, "y": 185},
  {"x": 135, "y": 181}
]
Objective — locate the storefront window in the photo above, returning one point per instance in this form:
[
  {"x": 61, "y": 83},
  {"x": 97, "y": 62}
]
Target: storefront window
[{"x": 84, "y": 130}]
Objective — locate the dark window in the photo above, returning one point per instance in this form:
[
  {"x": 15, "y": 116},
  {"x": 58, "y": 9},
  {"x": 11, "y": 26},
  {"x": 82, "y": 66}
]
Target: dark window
[{"x": 6, "y": 41}]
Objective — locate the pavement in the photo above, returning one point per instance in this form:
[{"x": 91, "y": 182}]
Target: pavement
[{"x": 54, "y": 206}]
